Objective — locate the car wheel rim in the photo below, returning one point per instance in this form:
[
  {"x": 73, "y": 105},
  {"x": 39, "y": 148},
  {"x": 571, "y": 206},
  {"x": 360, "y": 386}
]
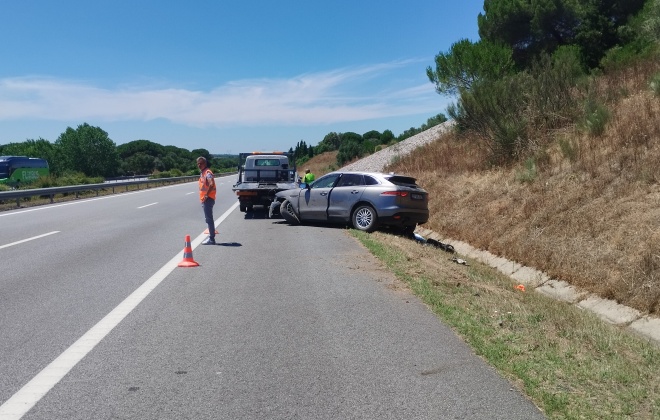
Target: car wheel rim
[
  {"x": 364, "y": 218},
  {"x": 289, "y": 208}
]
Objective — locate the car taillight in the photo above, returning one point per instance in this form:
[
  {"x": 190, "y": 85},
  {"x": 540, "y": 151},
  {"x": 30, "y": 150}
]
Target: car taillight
[{"x": 398, "y": 193}]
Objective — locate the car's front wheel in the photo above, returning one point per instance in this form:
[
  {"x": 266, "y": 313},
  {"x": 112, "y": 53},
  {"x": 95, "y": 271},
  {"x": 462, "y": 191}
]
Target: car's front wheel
[
  {"x": 364, "y": 218},
  {"x": 287, "y": 213}
]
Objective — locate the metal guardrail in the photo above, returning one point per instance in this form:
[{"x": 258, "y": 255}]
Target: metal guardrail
[{"x": 77, "y": 189}]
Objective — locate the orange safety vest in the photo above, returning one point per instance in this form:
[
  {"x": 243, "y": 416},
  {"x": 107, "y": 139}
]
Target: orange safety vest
[{"x": 206, "y": 185}]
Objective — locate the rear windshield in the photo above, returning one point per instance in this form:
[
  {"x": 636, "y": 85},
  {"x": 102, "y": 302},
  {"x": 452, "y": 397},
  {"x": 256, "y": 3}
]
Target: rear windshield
[
  {"x": 404, "y": 181},
  {"x": 267, "y": 162}
]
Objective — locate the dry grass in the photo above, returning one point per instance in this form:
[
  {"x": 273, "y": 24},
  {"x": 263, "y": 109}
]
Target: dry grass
[
  {"x": 586, "y": 211},
  {"x": 320, "y": 164}
]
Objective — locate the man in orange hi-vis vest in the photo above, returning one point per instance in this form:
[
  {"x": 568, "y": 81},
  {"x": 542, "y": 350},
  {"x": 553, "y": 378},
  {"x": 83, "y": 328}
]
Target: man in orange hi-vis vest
[{"x": 207, "y": 197}]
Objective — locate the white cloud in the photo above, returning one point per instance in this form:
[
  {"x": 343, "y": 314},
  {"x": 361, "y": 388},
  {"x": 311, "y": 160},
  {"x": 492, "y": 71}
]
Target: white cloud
[{"x": 351, "y": 94}]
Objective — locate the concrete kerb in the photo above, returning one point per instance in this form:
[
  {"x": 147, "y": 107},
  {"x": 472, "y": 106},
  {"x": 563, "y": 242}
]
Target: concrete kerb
[
  {"x": 560, "y": 290},
  {"x": 610, "y": 311},
  {"x": 647, "y": 327},
  {"x": 530, "y": 276}
]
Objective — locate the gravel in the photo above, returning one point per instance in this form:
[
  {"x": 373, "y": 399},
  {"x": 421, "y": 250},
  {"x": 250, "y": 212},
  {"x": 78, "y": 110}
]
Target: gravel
[{"x": 382, "y": 158}]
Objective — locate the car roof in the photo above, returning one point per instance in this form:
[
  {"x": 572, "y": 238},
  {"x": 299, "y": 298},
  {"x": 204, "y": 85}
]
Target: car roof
[
  {"x": 365, "y": 173},
  {"x": 375, "y": 174}
]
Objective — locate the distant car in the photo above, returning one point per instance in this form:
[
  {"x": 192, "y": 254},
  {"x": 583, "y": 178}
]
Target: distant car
[{"x": 366, "y": 200}]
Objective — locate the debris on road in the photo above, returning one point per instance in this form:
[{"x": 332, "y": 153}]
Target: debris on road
[{"x": 432, "y": 242}]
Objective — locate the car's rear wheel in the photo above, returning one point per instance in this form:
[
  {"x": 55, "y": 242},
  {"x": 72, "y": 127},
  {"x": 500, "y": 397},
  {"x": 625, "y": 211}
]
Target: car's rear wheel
[
  {"x": 364, "y": 218},
  {"x": 287, "y": 213}
]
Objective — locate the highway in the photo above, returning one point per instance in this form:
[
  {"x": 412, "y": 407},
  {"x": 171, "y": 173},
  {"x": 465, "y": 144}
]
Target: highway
[{"x": 276, "y": 322}]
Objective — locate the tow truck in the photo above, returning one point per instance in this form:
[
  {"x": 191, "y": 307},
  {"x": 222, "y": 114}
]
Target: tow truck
[{"x": 261, "y": 175}]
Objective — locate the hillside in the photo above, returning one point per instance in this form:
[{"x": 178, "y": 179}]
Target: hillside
[{"x": 584, "y": 209}]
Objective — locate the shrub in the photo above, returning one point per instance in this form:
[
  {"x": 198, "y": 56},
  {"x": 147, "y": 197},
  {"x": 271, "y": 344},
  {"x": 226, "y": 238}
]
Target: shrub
[
  {"x": 163, "y": 174},
  {"x": 495, "y": 111},
  {"x": 654, "y": 84},
  {"x": 568, "y": 149},
  {"x": 302, "y": 160},
  {"x": 595, "y": 118},
  {"x": 45, "y": 182},
  {"x": 528, "y": 173},
  {"x": 72, "y": 178}
]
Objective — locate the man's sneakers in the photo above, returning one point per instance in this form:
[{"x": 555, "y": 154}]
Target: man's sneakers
[{"x": 209, "y": 241}]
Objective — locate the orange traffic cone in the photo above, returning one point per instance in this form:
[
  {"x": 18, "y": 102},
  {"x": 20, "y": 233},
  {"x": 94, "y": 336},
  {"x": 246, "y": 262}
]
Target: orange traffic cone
[{"x": 187, "y": 255}]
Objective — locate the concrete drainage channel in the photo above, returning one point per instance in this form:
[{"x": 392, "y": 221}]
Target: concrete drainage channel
[{"x": 608, "y": 310}]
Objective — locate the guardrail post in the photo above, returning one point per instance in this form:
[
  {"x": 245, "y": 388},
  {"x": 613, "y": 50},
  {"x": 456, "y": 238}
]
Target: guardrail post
[{"x": 52, "y": 198}]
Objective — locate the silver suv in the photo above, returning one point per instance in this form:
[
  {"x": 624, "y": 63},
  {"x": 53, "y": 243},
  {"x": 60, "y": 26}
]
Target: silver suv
[{"x": 366, "y": 200}]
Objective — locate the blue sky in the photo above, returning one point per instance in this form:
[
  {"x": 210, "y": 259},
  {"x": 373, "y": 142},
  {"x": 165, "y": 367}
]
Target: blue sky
[{"x": 227, "y": 76}]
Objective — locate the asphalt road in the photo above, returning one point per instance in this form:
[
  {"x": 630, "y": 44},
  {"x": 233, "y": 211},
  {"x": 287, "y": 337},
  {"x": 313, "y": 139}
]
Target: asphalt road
[{"x": 277, "y": 322}]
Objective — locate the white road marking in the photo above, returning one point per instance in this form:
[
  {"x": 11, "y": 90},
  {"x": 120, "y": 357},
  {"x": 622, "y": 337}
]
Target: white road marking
[
  {"x": 147, "y": 205},
  {"x": 29, "y": 239},
  {"x": 22, "y": 401}
]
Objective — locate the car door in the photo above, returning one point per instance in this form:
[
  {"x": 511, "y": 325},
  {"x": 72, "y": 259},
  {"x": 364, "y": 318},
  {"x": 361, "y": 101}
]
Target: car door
[
  {"x": 313, "y": 205},
  {"x": 344, "y": 195}
]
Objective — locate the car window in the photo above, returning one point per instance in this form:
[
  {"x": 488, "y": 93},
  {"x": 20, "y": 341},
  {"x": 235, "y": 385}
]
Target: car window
[
  {"x": 350, "y": 180},
  {"x": 370, "y": 180},
  {"x": 325, "y": 182},
  {"x": 266, "y": 162}
]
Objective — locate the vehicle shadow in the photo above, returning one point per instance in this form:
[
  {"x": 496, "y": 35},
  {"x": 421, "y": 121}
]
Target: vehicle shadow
[
  {"x": 277, "y": 220},
  {"x": 257, "y": 213}
]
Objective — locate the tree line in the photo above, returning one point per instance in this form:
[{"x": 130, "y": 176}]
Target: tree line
[{"x": 89, "y": 152}]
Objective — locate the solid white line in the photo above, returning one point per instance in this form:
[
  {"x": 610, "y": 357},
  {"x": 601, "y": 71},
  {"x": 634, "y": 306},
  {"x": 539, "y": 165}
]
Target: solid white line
[
  {"x": 147, "y": 205},
  {"x": 29, "y": 239},
  {"x": 22, "y": 401}
]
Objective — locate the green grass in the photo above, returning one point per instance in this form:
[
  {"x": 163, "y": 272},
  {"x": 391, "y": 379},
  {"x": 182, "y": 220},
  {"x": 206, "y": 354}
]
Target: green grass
[{"x": 569, "y": 362}]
